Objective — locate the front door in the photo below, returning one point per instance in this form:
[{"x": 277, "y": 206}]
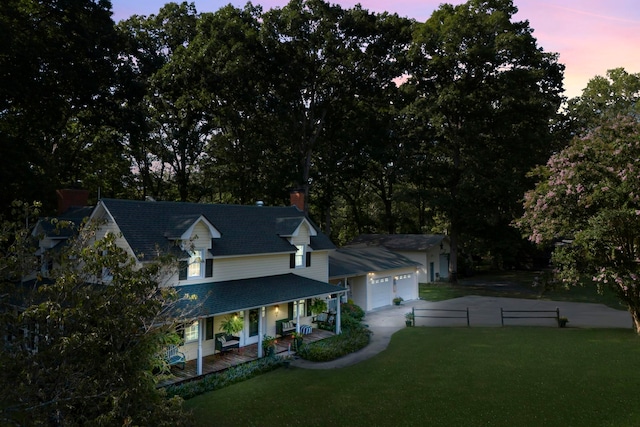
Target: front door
[{"x": 252, "y": 326}]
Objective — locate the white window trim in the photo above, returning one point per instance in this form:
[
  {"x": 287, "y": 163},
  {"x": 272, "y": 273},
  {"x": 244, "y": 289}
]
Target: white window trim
[
  {"x": 300, "y": 256},
  {"x": 191, "y": 332},
  {"x": 196, "y": 253}
]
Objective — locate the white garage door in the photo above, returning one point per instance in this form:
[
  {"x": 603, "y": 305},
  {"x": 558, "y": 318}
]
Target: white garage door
[
  {"x": 405, "y": 286},
  {"x": 381, "y": 292}
]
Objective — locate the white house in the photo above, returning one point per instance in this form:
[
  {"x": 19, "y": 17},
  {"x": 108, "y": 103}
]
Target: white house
[{"x": 262, "y": 263}]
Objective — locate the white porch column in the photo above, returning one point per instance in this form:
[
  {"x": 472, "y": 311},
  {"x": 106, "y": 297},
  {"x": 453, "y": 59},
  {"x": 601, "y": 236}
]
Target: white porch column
[
  {"x": 297, "y": 303},
  {"x": 260, "y": 330},
  {"x": 338, "y": 321},
  {"x": 201, "y": 327}
]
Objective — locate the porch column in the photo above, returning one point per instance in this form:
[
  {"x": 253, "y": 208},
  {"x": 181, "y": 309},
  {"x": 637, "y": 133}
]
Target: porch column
[
  {"x": 260, "y": 330},
  {"x": 201, "y": 323},
  {"x": 338, "y": 321},
  {"x": 297, "y": 303}
]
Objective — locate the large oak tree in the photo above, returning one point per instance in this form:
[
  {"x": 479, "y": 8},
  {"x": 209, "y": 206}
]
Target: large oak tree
[{"x": 485, "y": 95}]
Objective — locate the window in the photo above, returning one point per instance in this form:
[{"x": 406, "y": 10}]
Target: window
[
  {"x": 191, "y": 332},
  {"x": 196, "y": 264},
  {"x": 300, "y": 308},
  {"x": 299, "y": 256}
]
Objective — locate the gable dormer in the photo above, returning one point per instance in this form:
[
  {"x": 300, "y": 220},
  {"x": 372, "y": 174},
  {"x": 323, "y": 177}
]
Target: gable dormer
[{"x": 298, "y": 231}]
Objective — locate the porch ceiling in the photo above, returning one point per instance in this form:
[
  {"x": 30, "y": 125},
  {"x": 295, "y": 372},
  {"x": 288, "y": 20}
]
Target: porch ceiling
[{"x": 235, "y": 295}]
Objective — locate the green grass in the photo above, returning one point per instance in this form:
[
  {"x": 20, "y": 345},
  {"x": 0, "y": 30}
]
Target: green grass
[
  {"x": 451, "y": 376},
  {"x": 515, "y": 284}
]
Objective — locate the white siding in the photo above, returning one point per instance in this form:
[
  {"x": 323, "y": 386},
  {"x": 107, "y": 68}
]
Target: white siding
[{"x": 200, "y": 237}]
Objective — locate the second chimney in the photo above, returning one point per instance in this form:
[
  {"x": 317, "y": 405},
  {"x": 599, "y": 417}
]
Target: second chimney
[{"x": 297, "y": 199}]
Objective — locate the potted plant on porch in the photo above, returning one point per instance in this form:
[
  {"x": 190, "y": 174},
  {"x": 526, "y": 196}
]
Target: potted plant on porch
[
  {"x": 318, "y": 306},
  {"x": 269, "y": 345},
  {"x": 397, "y": 300},
  {"x": 232, "y": 324},
  {"x": 297, "y": 340}
]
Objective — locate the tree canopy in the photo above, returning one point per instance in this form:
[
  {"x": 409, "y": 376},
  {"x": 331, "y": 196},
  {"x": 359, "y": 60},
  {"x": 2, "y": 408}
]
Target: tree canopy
[
  {"x": 484, "y": 96},
  {"x": 80, "y": 345},
  {"x": 387, "y": 124},
  {"x": 587, "y": 203}
]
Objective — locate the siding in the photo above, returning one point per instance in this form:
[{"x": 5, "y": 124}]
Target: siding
[{"x": 200, "y": 238}]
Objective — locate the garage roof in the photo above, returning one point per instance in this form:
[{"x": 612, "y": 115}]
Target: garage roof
[{"x": 355, "y": 261}]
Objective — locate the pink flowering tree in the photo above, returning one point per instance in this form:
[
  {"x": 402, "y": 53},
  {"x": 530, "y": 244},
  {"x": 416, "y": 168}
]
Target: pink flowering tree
[{"x": 587, "y": 203}]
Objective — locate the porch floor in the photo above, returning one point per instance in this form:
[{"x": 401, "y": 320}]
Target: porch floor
[{"x": 220, "y": 361}]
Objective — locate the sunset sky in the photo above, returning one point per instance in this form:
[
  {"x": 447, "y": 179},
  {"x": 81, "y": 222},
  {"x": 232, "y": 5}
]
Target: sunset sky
[{"x": 591, "y": 36}]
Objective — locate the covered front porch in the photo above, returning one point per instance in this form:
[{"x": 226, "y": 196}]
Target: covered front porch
[{"x": 221, "y": 361}]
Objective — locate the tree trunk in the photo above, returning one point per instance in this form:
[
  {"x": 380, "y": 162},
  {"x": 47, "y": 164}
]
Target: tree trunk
[
  {"x": 453, "y": 255},
  {"x": 635, "y": 316}
]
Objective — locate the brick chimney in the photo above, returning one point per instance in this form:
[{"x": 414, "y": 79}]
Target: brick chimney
[
  {"x": 297, "y": 199},
  {"x": 71, "y": 197}
]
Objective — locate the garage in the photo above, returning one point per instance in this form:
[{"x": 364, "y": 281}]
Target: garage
[
  {"x": 405, "y": 286},
  {"x": 381, "y": 289}
]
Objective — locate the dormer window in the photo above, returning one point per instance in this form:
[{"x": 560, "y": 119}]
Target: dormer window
[
  {"x": 301, "y": 259},
  {"x": 299, "y": 256},
  {"x": 196, "y": 264}
]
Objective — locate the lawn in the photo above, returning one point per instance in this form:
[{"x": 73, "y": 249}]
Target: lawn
[{"x": 451, "y": 376}]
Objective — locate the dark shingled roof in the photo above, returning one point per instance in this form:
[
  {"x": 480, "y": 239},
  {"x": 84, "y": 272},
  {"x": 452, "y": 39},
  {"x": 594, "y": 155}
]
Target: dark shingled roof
[
  {"x": 71, "y": 219},
  {"x": 244, "y": 230},
  {"x": 355, "y": 261},
  {"x": 235, "y": 295},
  {"x": 399, "y": 242}
]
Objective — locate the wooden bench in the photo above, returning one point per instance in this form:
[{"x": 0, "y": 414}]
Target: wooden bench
[
  {"x": 175, "y": 357},
  {"x": 285, "y": 327},
  {"x": 226, "y": 342}
]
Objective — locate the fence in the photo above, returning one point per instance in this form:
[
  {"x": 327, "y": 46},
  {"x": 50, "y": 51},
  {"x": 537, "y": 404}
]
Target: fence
[
  {"x": 466, "y": 316},
  {"x": 543, "y": 315}
]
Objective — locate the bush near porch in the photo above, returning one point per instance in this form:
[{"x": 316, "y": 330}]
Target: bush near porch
[{"x": 452, "y": 376}]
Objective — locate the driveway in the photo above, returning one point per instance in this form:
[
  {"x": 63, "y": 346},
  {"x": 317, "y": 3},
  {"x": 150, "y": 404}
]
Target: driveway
[{"x": 483, "y": 311}]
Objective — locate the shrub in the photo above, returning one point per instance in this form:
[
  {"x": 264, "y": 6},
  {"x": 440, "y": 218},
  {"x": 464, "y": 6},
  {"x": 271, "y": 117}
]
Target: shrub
[
  {"x": 225, "y": 378},
  {"x": 352, "y": 310},
  {"x": 351, "y": 340}
]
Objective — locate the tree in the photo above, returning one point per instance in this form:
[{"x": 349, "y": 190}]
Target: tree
[
  {"x": 605, "y": 97},
  {"x": 83, "y": 342},
  {"x": 484, "y": 97},
  {"x": 587, "y": 202},
  {"x": 57, "y": 69}
]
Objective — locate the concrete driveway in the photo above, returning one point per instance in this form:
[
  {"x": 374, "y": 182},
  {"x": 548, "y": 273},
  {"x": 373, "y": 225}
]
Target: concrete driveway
[{"x": 483, "y": 311}]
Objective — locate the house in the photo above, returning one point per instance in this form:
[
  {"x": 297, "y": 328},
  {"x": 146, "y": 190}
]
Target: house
[
  {"x": 429, "y": 250},
  {"x": 263, "y": 264},
  {"x": 374, "y": 275}
]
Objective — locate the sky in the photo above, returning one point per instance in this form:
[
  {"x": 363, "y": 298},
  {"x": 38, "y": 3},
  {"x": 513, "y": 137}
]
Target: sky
[{"x": 591, "y": 36}]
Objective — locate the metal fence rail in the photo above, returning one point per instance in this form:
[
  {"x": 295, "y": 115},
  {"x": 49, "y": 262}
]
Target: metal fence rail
[
  {"x": 524, "y": 315},
  {"x": 466, "y": 315}
]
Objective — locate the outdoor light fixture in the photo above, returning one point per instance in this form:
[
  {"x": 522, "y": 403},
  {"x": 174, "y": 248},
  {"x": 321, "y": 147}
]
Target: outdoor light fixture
[{"x": 277, "y": 308}]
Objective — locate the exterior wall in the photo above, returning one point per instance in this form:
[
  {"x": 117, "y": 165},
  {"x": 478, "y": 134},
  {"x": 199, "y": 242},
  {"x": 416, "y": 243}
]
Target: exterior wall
[
  {"x": 423, "y": 259},
  {"x": 426, "y": 258},
  {"x": 200, "y": 238},
  {"x": 357, "y": 289},
  {"x": 266, "y": 265}
]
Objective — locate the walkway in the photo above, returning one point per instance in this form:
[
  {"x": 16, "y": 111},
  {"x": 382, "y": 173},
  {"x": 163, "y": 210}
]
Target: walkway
[{"x": 483, "y": 311}]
